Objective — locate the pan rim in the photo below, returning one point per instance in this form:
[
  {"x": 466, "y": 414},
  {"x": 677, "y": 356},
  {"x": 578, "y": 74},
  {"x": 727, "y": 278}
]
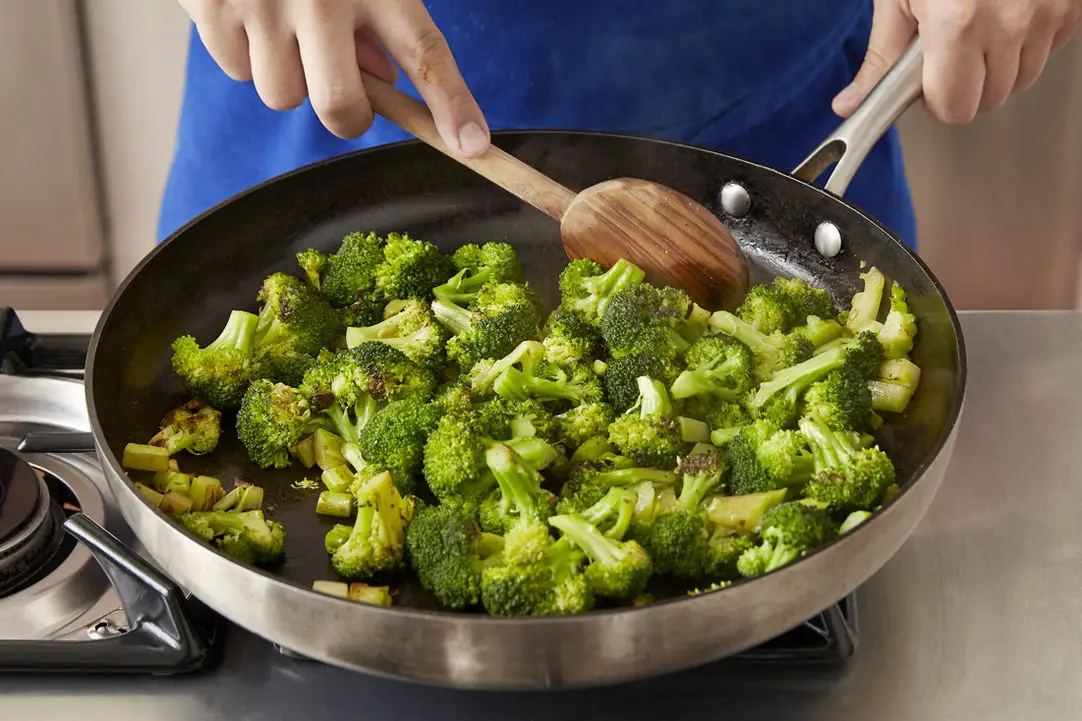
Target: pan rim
[{"x": 460, "y": 617}]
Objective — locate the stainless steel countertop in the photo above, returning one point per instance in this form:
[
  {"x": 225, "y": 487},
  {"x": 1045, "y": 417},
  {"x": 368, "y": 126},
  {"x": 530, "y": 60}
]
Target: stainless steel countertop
[{"x": 978, "y": 616}]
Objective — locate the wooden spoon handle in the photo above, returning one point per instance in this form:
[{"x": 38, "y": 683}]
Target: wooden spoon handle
[{"x": 503, "y": 169}]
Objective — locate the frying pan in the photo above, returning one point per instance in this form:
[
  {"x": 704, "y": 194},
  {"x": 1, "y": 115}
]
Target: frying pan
[{"x": 786, "y": 226}]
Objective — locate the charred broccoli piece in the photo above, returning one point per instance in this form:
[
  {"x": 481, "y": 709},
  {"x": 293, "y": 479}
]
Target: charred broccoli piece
[
  {"x": 477, "y": 265},
  {"x": 412, "y": 329},
  {"x": 847, "y": 478},
  {"x": 272, "y": 420},
  {"x": 193, "y": 427},
  {"x": 220, "y": 372},
  {"x": 789, "y": 531},
  {"x": 502, "y": 316},
  {"x": 586, "y": 287},
  {"x": 247, "y": 536},
  {"x": 378, "y": 540},
  {"x": 295, "y": 323},
  {"x": 447, "y": 550}
]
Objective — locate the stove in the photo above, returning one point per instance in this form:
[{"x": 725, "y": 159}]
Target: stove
[{"x": 79, "y": 594}]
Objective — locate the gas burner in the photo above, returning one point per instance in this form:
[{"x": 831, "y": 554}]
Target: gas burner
[{"x": 30, "y": 531}]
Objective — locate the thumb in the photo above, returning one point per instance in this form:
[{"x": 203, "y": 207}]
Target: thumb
[{"x": 892, "y": 29}]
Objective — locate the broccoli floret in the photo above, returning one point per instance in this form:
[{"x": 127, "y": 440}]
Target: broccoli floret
[
  {"x": 371, "y": 369},
  {"x": 295, "y": 323},
  {"x": 348, "y": 274},
  {"x": 789, "y": 531},
  {"x": 643, "y": 317},
  {"x": 361, "y": 313},
  {"x": 411, "y": 268},
  {"x": 847, "y": 477},
  {"x": 842, "y": 400},
  {"x": 585, "y": 421},
  {"x": 648, "y": 431},
  {"x": 272, "y": 420},
  {"x": 477, "y": 265},
  {"x": 518, "y": 419},
  {"x": 575, "y": 383},
  {"x": 618, "y": 569},
  {"x": 502, "y": 316},
  {"x": 715, "y": 412},
  {"x": 863, "y": 353},
  {"x": 193, "y": 427},
  {"x": 395, "y": 439},
  {"x": 717, "y": 366},
  {"x": 536, "y": 576},
  {"x": 484, "y": 373},
  {"x": 412, "y": 329},
  {"x": 447, "y": 551},
  {"x": 454, "y": 397},
  {"x": 312, "y": 262},
  {"x": 900, "y": 327},
  {"x": 771, "y": 353},
  {"x": 221, "y": 372},
  {"x": 590, "y": 480},
  {"x": 864, "y": 308},
  {"x": 766, "y": 309},
  {"x": 570, "y": 339},
  {"x": 804, "y": 300},
  {"x": 519, "y": 494},
  {"x": 613, "y": 513},
  {"x": 247, "y": 536},
  {"x": 763, "y": 457},
  {"x": 622, "y": 374},
  {"x": 378, "y": 540},
  {"x": 586, "y": 287}
]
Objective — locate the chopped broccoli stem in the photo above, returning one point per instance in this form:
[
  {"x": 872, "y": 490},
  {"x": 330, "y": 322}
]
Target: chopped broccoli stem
[
  {"x": 372, "y": 595},
  {"x": 900, "y": 327},
  {"x": 864, "y": 308},
  {"x": 332, "y": 588},
  {"x": 742, "y": 513},
  {"x": 335, "y": 537},
  {"x": 901, "y": 371},
  {"x": 305, "y": 451},
  {"x": 693, "y": 431},
  {"x": 338, "y": 504},
  {"x": 241, "y": 498},
  {"x": 175, "y": 504},
  {"x": 141, "y": 457},
  {"x": 338, "y": 479},
  {"x": 853, "y": 520},
  {"x": 889, "y": 397},
  {"x": 205, "y": 491},
  {"x": 150, "y": 494}
]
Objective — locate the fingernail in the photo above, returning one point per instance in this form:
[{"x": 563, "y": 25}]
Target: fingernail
[{"x": 472, "y": 139}]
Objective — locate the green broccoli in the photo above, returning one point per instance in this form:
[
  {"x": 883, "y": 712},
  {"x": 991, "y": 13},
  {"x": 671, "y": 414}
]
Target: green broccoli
[
  {"x": 502, "y": 316},
  {"x": 378, "y": 539},
  {"x": 454, "y": 397},
  {"x": 193, "y": 427},
  {"x": 770, "y": 353},
  {"x": 900, "y": 326},
  {"x": 622, "y": 374},
  {"x": 312, "y": 262},
  {"x": 412, "y": 329},
  {"x": 894, "y": 386},
  {"x": 547, "y": 381},
  {"x": 585, "y": 421},
  {"x": 361, "y": 313},
  {"x": 643, "y": 317},
  {"x": 220, "y": 372},
  {"x": 853, "y": 520},
  {"x": 820, "y": 331},
  {"x": 295, "y": 323},
  {"x": 717, "y": 366},
  {"x": 847, "y": 478},
  {"x": 519, "y": 494},
  {"x": 586, "y": 287},
  {"x": 272, "y": 420},
  {"x": 864, "y": 308},
  {"x": 447, "y": 550},
  {"x": 348, "y": 274},
  {"x": 410, "y": 268},
  {"x": 590, "y": 480},
  {"x": 247, "y": 536},
  {"x": 789, "y": 531},
  {"x": 477, "y": 265},
  {"x": 649, "y": 431},
  {"x": 613, "y": 513},
  {"x": 763, "y": 457},
  {"x": 536, "y": 576},
  {"x": 394, "y": 439},
  {"x": 842, "y": 400},
  {"x": 618, "y": 570},
  {"x": 570, "y": 339},
  {"x": 485, "y": 372},
  {"x": 767, "y": 309},
  {"x": 804, "y": 300}
]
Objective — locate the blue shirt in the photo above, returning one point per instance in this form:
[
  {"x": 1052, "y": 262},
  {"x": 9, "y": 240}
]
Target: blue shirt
[{"x": 753, "y": 78}]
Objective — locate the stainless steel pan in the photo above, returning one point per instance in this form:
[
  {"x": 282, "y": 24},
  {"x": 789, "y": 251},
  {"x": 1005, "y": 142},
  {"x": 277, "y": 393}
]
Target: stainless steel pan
[{"x": 785, "y": 225}]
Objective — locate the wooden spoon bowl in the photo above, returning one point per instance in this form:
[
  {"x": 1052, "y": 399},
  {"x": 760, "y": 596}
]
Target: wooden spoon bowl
[{"x": 674, "y": 239}]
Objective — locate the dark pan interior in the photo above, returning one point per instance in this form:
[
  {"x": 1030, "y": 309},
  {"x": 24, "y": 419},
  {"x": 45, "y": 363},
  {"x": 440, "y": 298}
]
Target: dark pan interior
[{"x": 218, "y": 262}]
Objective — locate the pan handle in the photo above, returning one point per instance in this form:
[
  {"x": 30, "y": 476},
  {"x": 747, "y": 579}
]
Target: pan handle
[{"x": 850, "y": 144}]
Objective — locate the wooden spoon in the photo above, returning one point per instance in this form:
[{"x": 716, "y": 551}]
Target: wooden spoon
[{"x": 675, "y": 240}]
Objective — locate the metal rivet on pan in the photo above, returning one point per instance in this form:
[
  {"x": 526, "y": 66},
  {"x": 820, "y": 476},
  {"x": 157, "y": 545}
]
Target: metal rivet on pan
[
  {"x": 735, "y": 200},
  {"x": 828, "y": 239}
]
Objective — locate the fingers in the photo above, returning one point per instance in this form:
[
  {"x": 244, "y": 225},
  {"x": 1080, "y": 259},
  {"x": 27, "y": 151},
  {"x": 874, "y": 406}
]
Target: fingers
[
  {"x": 954, "y": 75},
  {"x": 276, "y": 60},
  {"x": 372, "y": 58},
  {"x": 329, "y": 52},
  {"x": 407, "y": 31},
  {"x": 892, "y": 29},
  {"x": 222, "y": 34},
  {"x": 1000, "y": 77}
]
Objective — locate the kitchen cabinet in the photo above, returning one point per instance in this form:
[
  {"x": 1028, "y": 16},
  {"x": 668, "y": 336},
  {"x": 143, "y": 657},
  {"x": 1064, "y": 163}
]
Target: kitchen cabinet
[{"x": 51, "y": 247}]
